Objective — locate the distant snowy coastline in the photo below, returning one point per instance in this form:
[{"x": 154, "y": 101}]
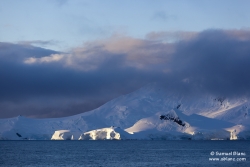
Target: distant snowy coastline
[{"x": 150, "y": 113}]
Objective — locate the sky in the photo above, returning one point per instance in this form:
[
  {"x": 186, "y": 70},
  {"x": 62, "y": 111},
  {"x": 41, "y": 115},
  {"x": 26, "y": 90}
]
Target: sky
[{"x": 64, "y": 57}]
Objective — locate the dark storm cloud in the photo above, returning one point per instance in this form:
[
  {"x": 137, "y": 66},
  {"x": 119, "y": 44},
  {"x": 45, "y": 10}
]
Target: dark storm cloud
[
  {"x": 42, "y": 83},
  {"x": 17, "y": 52},
  {"x": 22, "y": 83},
  {"x": 215, "y": 61}
]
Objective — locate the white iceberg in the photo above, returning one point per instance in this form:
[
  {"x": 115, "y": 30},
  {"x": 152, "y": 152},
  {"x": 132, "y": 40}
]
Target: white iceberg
[
  {"x": 112, "y": 133},
  {"x": 62, "y": 135}
]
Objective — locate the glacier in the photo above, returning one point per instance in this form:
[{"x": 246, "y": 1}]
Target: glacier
[{"x": 150, "y": 113}]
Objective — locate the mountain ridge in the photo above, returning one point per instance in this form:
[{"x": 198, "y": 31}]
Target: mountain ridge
[{"x": 126, "y": 110}]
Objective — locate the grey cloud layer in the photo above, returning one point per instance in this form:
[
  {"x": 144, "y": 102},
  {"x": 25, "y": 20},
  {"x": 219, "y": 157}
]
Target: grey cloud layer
[
  {"x": 216, "y": 62},
  {"x": 213, "y": 61}
]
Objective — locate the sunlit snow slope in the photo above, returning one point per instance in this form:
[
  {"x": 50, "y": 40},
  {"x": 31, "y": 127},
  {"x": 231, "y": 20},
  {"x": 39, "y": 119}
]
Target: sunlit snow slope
[{"x": 205, "y": 117}]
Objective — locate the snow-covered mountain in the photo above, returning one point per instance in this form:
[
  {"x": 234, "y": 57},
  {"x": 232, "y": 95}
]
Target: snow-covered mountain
[{"x": 148, "y": 113}]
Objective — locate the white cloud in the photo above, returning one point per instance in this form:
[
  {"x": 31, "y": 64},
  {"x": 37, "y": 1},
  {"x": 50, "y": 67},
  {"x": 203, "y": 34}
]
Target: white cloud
[
  {"x": 154, "y": 52},
  {"x": 120, "y": 51},
  {"x": 47, "y": 59}
]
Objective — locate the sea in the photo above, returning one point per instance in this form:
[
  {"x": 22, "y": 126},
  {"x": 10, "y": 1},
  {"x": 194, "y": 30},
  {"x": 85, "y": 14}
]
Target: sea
[{"x": 125, "y": 153}]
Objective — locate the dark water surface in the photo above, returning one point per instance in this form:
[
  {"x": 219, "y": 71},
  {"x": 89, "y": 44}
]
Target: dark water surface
[{"x": 124, "y": 153}]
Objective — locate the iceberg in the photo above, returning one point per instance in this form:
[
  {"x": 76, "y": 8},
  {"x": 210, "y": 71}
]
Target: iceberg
[
  {"x": 112, "y": 133},
  {"x": 62, "y": 135}
]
